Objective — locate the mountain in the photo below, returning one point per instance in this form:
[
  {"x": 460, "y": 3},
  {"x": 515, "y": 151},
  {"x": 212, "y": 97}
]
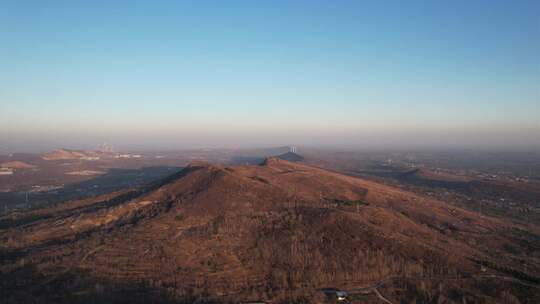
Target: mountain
[
  {"x": 16, "y": 164},
  {"x": 256, "y": 156},
  {"x": 291, "y": 156},
  {"x": 64, "y": 154},
  {"x": 262, "y": 152},
  {"x": 279, "y": 232}
]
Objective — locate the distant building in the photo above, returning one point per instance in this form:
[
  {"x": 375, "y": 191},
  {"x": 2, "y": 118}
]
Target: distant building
[
  {"x": 341, "y": 295},
  {"x": 91, "y": 158},
  {"x": 128, "y": 156},
  {"x": 6, "y": 171},
  {"x": 337, "y": 294}
]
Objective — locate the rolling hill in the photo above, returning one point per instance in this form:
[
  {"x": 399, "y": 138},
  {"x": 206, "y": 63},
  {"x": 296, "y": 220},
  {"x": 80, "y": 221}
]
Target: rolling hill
[
  {"x": 16, "y": 164},
  {"x": 277, "y": 232},
  {"x": 63, "y": 154},
  {"x": 291, "y": 156}
]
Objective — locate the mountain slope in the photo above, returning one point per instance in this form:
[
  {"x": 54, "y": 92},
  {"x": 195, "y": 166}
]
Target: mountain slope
[{"x": 275, "y": 232}]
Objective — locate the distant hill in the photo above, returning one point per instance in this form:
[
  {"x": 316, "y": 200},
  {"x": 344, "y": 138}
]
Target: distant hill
[
  {"x": 61, "y": 154},
  {"x": 262, "y": 152},
  {"x": 275, "y": 233},
  {"x": 65, "y": 154},
  {"x": 257, "y": 156},
  {"x": 16, "y": 164},
  {"x": 291, "y": 156},
  {"x": 428, "y": 174}
]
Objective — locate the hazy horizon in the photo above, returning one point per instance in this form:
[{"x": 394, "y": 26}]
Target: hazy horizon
[
  {"x": 351, "y": 140},
  {"x": 167, "y": 75}
]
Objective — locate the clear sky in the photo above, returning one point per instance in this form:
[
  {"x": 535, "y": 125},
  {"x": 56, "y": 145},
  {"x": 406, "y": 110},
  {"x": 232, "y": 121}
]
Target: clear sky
[{"x": 175, "y": 74}]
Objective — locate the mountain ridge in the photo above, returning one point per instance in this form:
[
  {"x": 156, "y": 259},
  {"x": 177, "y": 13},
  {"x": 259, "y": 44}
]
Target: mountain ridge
[{"x": 288, "y": 227}]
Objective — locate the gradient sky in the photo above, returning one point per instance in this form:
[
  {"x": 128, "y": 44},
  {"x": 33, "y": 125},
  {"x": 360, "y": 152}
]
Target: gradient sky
[{"x": 174, "y": 74}]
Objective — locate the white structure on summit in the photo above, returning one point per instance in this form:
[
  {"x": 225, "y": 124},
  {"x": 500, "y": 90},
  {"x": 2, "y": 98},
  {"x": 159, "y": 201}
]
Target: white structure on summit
[{"x": 292, "y": 149}]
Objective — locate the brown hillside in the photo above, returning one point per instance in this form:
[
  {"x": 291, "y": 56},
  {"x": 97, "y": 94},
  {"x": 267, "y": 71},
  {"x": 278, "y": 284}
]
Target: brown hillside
[
  {"x": 277, "y": 232},
  {"x": 16, "y": 164},
  {"x": 64, "y": 154}
]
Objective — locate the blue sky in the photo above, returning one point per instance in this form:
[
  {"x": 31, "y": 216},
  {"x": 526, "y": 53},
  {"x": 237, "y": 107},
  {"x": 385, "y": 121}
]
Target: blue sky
[{"x": 174, "y": 74}]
